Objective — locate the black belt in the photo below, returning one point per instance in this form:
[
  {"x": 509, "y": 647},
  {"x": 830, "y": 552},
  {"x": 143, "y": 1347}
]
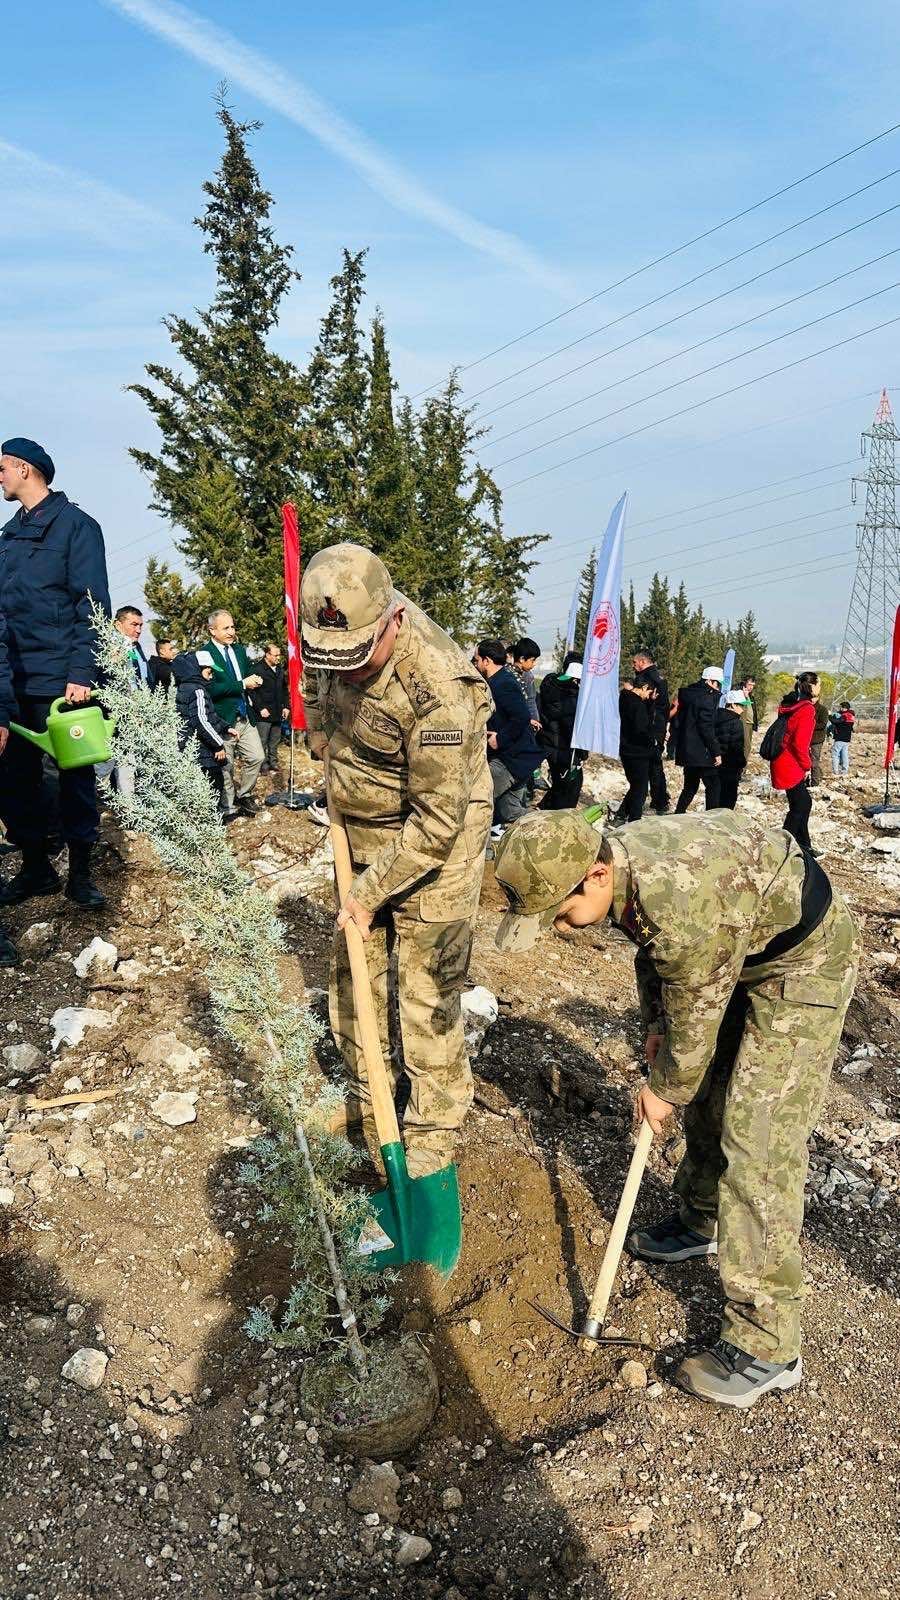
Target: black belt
[{"x": 815, "y": 900}]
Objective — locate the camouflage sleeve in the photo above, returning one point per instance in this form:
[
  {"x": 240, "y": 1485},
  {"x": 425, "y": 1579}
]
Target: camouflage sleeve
[
  {"x": 650, "y": 994},
  {"x": 696, "y": 983},
  {"x": 310, "y": 690},
  {"x": 443, "y": 749}
]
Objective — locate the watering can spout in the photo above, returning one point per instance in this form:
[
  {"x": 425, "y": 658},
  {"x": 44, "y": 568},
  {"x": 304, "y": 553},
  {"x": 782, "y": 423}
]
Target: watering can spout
[{"x": 42, "y": 740}]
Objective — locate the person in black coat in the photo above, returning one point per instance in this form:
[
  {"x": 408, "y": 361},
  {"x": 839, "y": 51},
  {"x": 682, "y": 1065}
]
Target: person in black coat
[
  {"x": 646, "y": 671},
  {"x": 52, "y": 567},
  {"x": 557, "y": 703},
  {"x": 696, "y": 742},
  {"x": 192, "y": 672},
  {"x": 513, "y": 752},
  {"x": 268, "y": 701},
  {"x": 637, "y": 743},
  {"x": 159, "y": 667},
  {"x": 730, "y": 732}
]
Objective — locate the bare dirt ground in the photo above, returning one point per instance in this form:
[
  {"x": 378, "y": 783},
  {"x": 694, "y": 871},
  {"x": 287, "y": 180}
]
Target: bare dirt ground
[{"x": 189, "y": 1469}]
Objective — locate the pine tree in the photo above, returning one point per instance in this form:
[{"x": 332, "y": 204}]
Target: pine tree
[
  {"x": 583, "y": 617},
  {"x": 656, "y": 626},
  {"x": 337, "y": 384},
  {"x": 390, "y": 517},
  {"x": 628, "y": 629},
  {"x": 750, "y": 653},
  {"x": 230, "y": 419}
]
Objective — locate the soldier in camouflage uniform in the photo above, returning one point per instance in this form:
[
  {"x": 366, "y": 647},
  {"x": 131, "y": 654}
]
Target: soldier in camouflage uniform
[
  {"x": 746, "y": 961},
  {"x": 402, "y": 716}
]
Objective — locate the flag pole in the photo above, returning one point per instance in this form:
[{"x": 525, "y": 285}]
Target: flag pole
[{"x": 290, "y": 798}]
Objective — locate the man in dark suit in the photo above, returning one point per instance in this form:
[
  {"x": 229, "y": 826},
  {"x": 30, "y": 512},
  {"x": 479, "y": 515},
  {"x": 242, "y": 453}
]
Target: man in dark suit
[
  {"x": 513, "y": 751},
  {"x": 268, "y": 701},
  {"x": 233, "y": 681},
  {"x": 646, "y": 671},
  {"x": 52, "y": 570}
]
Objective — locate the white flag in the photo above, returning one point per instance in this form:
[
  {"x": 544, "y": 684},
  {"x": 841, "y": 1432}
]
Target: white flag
[{"x": 597, "y": 713}]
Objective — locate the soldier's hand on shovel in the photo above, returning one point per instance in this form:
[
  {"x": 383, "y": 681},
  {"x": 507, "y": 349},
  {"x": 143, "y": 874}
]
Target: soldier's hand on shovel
[
  {"x": 353, "y": 911},
  {"x": 648, "y": 1107}
]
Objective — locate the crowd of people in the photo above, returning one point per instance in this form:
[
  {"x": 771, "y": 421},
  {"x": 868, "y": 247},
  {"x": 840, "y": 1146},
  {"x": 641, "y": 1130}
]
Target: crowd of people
[{"x": 428, "y": 753}]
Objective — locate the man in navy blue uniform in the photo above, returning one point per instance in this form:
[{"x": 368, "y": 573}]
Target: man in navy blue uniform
[{"x": 52, "y": 564}]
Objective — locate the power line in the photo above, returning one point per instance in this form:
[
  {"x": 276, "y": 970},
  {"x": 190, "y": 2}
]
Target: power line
[
  {"x": 645, "y": 427},
  {"x": 677, "y": 250},
  {"x": 757, "y": 489},
  {"x": 678, "y": 383},
  {"x": 736, "y": 541},
  {"x": 680, "y": 316}
]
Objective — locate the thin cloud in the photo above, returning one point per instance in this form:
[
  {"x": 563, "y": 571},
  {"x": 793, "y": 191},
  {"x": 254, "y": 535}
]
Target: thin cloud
[
  {"x": 286, "y": 94},
  {"x": 56, "y": 198}
]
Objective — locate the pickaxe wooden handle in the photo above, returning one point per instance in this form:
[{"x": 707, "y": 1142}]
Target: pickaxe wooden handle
[{"x": 610, "y": 1263}]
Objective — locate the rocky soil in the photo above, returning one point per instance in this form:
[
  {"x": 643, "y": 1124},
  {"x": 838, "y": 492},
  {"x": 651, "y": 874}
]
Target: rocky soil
[{"x": 147, "y": 1449}]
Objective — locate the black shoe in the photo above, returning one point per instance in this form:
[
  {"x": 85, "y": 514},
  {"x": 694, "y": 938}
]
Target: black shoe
[
  {"x": 35, "y": 877},
  {"x": 231, "y": 816},
  {"x": 81, "y": 887},
  {"x": 247, "y": 806},
  {"x": 9, "y": 955},
  {"x": 671, "y": 1240}
]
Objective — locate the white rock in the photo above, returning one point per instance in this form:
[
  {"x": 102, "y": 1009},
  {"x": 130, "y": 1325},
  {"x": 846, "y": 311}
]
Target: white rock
[
  {"x": 7, "y": 1197},
  {"x": 750, "y": 1520},
  {"x": 175, "y": 1109},
  {"x": 21, "y": 1057},
  {"x": 69, "y": 1023},
  {"x": 132, "y": 971},
  {"x": 167, "y": 1050},
  {"x": 886, "y": 847},
  {"x": 479, "y": 1012},
  {"x": 38, "y": 1327},
  {"x": 886, "y": 821},
  {"x": 412, "y": 1549},
  {"x": 86, "y": 1368},
  {"x": 98, "y": 955},
  {"x": 38, "y": 936}
]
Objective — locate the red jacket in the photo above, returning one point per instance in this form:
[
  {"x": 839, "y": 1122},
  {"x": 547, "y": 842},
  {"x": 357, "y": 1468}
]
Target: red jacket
[{"x": 793, "y": 761}]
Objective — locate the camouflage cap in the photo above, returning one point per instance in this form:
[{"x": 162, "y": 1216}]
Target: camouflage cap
[
  {"x": 345, "y": 593},
  {"x": 538, "y": 863}
]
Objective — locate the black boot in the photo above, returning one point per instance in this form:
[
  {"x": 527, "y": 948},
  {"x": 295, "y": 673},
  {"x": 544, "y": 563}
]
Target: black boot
[
  {"x": 35, "y": 877},
  {"x": 81, "y": 887},
  {"x": 9, "y": 955}
]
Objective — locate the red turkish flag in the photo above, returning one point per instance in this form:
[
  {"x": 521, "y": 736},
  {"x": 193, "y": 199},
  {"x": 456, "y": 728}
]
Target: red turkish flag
[{"x": 291, "y": 536}]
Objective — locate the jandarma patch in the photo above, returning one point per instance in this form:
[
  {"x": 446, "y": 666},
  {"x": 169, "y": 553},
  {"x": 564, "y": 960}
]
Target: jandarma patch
[{"x": 442, "y": 736}]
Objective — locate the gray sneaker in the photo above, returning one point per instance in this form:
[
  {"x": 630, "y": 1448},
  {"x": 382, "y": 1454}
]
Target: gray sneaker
[
  {"x": 671, "y": 1240},
  {"x": 728, "y": 1376}
]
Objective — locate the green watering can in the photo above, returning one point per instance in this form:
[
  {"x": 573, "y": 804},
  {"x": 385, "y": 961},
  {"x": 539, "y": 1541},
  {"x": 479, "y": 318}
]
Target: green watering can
[{"x": 76, "y": 737}]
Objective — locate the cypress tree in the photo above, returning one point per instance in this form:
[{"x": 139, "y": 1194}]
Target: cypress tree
[
  {"x": 337, "y": 384},
  {"x": 230, "y": 419},
  {"x": 390, "y": 516},
  {"x": 588, "y": 579}
]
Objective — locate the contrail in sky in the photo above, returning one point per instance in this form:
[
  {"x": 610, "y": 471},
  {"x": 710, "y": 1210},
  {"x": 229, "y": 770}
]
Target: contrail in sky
[
  {"x": 60, "y": 197},
  {"x": 268, "y": 82}
]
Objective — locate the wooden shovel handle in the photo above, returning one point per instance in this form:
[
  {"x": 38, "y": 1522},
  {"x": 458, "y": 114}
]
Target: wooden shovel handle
[
  {"x": 380, "y": 1090},
  {"x": 613, "y": 1254}
]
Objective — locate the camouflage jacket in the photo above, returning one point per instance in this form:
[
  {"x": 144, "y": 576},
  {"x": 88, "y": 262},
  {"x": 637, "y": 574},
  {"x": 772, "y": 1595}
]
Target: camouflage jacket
[
  {"x": 407, "y": 757},
  {"x": 698, "y": 895}
]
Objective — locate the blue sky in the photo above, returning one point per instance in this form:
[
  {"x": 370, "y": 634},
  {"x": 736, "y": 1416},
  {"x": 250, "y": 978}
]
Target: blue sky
[{"x": 500, "y": 163}]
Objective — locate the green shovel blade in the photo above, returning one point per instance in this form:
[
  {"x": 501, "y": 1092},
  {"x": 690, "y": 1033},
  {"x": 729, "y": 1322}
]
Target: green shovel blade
[{"x": 413, "y": 1219}]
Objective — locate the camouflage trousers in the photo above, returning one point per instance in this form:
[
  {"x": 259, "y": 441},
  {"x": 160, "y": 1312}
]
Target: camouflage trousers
[
  {"x": 748, "y": 1127},
  {"x": 418, "y": 970}
]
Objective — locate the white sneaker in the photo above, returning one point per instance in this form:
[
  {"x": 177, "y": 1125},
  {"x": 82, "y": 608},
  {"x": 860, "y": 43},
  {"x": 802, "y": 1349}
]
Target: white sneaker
[
  {"x": 318, "y": 813},
  {"x": 497, "y": 831}
]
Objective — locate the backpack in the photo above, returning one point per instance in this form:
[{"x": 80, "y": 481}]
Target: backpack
[{"x": 773, "y": 739}]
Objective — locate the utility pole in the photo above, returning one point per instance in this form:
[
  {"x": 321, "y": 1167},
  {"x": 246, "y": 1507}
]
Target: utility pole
[{"x": 876, "y": 582}]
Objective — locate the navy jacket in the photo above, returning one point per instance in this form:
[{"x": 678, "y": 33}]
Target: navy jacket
[
  {"x": 7, "y": 695},
  {"x": 510, "y": 719},
  {"x": 197, "y": 713},
  {"x": 51, "y": 562}
]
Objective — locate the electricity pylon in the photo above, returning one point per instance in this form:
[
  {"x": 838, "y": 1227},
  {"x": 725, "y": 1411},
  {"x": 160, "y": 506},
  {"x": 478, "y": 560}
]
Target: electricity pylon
[{"x": 876, "y": 583}]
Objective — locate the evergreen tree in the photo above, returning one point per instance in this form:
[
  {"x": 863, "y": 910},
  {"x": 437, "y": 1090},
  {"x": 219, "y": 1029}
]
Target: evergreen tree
[
  {"x": 231, "y": 419},
  {"x": 628, "y": 628},
  {"x": 588, "y": 579},
  {"x": 390, "y": 515},
  {"x": 750, "y": 652},
  {"x": 337, "y": 383}
]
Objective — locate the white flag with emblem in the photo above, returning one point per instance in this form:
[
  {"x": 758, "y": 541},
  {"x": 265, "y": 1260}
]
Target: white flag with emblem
[{"x": 597, "y": 713}]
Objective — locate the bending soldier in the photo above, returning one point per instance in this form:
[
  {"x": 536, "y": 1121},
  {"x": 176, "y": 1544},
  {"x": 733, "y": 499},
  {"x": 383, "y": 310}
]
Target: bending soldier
[
  {"x": 745, "y": 966},
  {"x": 402, "y": 715}
]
